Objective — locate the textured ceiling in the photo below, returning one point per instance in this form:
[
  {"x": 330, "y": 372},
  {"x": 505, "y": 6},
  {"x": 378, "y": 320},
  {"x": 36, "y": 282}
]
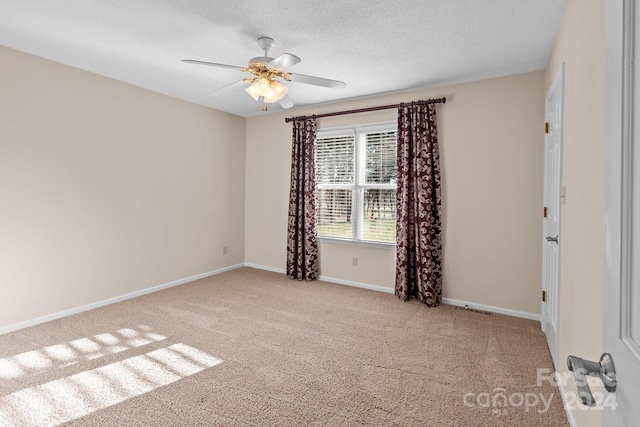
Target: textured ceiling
[{"x": 375, "y": 46}]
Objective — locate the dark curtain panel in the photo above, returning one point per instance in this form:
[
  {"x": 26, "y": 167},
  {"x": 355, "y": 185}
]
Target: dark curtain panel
[
  {"x": 418, "y": 229},
  {"x": 302, "y": 245}
]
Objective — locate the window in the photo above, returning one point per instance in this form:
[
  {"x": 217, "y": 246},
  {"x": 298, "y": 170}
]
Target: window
[{"x": 357, "y": 175}]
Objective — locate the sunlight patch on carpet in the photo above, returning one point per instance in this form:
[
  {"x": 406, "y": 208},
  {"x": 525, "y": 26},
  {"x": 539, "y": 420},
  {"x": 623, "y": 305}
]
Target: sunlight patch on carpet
[
  {"x": 61, "y": 355},
  {"x": 72, "y": 397}
]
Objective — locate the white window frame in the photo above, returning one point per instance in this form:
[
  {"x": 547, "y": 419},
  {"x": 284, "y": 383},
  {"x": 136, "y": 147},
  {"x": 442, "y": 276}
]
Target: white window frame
[{"x": 358, "y": 187}]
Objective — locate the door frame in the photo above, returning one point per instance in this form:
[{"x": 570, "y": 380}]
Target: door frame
[{"x": 557, "y": 85}]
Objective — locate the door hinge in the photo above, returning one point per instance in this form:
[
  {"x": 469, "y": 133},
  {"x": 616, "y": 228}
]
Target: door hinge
[
  {"x": 546, "y": 127},
  {"x": 544, "y": 296},
  {"x": 545, "y": 212}
]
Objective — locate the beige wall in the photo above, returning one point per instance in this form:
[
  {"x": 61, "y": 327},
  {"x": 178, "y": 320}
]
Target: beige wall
[
  {"x": 580, "y": 44},
  {"x": 107, "y": 189},
  {"x": 491, "y": 138}
]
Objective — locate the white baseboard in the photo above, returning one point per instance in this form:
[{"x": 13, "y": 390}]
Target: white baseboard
[
  {"x": 76, "y": 310},
  {"x": 357, "y": 284},
  {"x": 264, "y": 267},
  {"x": 567, "y": 409},
  {"x": 492, "y": 309},
  {"x": 450, "y": 301},
  {"x": 325, "y": 279}
]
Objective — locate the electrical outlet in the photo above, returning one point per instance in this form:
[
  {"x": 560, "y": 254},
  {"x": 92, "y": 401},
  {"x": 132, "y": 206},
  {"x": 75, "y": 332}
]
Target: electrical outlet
[
  {"x": 354, "y": 261},
  {"x": 224, "y": 250}
]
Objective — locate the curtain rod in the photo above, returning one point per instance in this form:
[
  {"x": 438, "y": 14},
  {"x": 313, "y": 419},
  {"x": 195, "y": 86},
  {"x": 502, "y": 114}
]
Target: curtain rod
[{"x": 364, "y": 110}]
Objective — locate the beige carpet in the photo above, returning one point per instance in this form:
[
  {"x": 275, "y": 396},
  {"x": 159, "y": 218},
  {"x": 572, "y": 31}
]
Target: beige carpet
[{"x": 249, "y": 347}]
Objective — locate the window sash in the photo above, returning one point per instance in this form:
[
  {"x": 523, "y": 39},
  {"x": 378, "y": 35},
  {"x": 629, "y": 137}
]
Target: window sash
[
  {"x": 378, "y": 229},
  {"x": 379, "y": 159},
  {"x": 335, "y": 160},
  {"x": 378, "y": 216},
  {"x": 336, "y": 213}
]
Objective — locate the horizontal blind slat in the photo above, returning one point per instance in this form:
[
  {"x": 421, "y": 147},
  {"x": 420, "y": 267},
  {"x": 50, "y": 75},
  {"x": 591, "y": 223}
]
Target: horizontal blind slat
[
  {"x": 335, "y": 213},
  {"x": 335, "y": 160},
  {"x": 379, "y": 215},
  {"x": 381, "y": 162}
]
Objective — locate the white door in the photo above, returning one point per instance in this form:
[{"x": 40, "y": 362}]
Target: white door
[
  {"x": 621, "y": 328},
  {"x": 551, "y": 221}
]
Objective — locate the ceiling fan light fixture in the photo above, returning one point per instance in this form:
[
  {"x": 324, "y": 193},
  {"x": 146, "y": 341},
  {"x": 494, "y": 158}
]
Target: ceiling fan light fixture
[
  {"x": 279, "y": 89},
  {"x": 264, "y": 71},
  {"x": 271, "y": 90},
  {"x": 276, "y": 92},
  {"x": 270, "y": 97},
  {"x": 263, "y": 86},
  {"x": 254, "y": 91}
]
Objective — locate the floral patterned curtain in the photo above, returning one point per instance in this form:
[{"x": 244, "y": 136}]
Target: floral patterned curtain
[
  {"x": 418, "y": 229},
  {"x": 302, "y": 245}
]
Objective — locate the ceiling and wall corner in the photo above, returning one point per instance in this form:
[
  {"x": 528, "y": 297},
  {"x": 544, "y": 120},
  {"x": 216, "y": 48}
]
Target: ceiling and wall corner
[{"x": 376, "y": 47}]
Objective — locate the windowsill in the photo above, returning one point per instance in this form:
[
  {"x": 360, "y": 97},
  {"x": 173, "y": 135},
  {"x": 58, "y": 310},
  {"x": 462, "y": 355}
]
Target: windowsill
[{"x": 363, "y": 243}]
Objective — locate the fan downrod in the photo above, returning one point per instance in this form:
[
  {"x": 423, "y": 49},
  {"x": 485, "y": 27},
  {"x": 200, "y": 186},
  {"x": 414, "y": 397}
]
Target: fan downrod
[{"x": 265, "y": 43}]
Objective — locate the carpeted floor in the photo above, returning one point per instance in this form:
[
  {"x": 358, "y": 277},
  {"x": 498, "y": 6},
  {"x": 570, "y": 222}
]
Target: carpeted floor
[{"x": 250, "y": 347}]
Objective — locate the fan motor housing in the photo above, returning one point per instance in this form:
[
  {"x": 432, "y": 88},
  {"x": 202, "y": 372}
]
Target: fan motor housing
[{"x": 265, "y": 59}]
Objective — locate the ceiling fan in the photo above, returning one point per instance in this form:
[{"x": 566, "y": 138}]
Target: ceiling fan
[{"x": 265, "y": 74}]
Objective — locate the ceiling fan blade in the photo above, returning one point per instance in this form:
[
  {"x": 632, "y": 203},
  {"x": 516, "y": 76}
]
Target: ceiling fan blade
[
  {"x": 286, "y": 102},
  {"x": 284, "y": 61},
  {"x": 318, "y": 81},
  {"x": 228, "y": 88},
  {"x": 213, "y": 64}
]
